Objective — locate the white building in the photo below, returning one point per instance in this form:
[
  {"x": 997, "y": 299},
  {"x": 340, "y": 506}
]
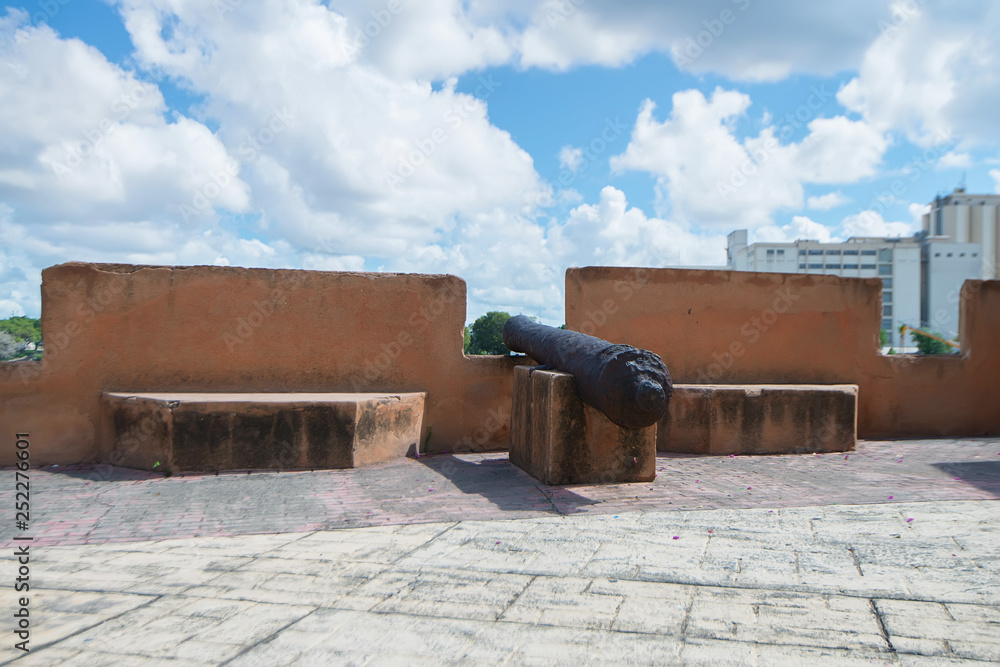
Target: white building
[
  {"x": 922, "y": 276},
  {"x": 895, "y": 261},
  {"x": 961, "y": 240}
]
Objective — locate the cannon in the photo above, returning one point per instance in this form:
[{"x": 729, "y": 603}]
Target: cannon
[{"x": 630, "y": 386}]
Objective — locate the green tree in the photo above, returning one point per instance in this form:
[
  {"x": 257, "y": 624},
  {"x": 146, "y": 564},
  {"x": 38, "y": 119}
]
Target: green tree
[
  {"x": 26, "y": 329},
  {"x": 928, "y": 345},
  {"x": 466, "y": 340},
  {"x": 486, "y": 334},
  {"x": 883, "y": 337}
]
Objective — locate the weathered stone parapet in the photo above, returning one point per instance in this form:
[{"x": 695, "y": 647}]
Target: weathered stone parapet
[
  {"x": 207, "y": 432},
  {"x": 759, "y": 419},
  {"x": 558, "y": 439}
]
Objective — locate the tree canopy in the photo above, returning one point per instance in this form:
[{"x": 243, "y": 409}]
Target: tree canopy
[
  {"x": 23, "y": 328},
  {"x": 486, "y": 334}
]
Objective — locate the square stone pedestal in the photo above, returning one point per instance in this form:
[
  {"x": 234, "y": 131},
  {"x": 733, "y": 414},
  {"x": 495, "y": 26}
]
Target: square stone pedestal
[
  {"x": 558, "y": 439},
  {"x": 207, "y": 431}
]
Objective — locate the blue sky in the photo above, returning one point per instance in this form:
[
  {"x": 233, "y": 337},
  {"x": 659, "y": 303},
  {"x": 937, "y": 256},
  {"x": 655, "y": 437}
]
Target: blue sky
[{"x": 498, "y": 141}]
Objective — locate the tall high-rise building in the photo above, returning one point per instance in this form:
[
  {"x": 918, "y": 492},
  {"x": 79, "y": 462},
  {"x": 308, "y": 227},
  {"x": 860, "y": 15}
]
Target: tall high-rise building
[{"x": 922, "y": 275}]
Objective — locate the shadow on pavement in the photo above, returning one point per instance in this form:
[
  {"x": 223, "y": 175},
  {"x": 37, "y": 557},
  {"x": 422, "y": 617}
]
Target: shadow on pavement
[
  {"x": 503, "y": 484},
  {"x": 984, "y": 475}
]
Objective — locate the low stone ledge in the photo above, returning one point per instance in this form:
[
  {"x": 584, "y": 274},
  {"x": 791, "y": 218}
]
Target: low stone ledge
[
  {"x": 558, "y": 439},
  {"x": 208, "y": 431},
  {"x": 759, "y": 419}
]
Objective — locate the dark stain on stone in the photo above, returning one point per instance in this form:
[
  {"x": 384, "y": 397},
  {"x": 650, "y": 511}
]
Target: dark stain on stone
[
  {"x": 572, "y": 422},
  {"x": 201, "y": 441},
  {"x": 329, "y": 437},
  {"x": 752, "y": 428}
]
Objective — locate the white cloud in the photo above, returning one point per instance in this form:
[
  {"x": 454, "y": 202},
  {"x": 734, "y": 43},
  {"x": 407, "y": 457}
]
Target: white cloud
[
  {"x": 712, "y": 178},
  {"x": 953, "y": 160},
  {"x": 826, "y": 202},
  {"x": 88, "y": 142},
  {"x": 801, "y": 227},
  {"x": 610, "y": 233},
  {"x": 871, "y": 223},
  {"x": 995, "y": 173},
  {"x": 570, "y": 158},
  {"x": 934, "y": 75}
]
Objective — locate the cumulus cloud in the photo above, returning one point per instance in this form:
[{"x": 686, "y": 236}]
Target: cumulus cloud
[
  {"x": 932, "y": 72},
  {"x": 871, "y": 223},
  {"x": 953, "y": 160},
  {"x": 570, "y": 158},
  {"x": 801, "y": 227},
  {"x": 711, "y": 177},
  {"x": 828, "y": 201}
]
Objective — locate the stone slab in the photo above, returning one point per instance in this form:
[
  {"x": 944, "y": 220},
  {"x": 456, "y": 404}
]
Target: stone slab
[
  {"x": 558, "y": 439},
  {"x": 232, "y": 431},
  {"x": 759, "y": 419}
]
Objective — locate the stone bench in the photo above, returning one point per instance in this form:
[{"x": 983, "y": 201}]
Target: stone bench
[
  {"x": 759, "y": 419},
  {"x": 232, "y": 431}
]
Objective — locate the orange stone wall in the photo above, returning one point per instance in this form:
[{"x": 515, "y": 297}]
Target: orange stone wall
[
  {"x": 219, "y": 329},
  {"x": 721, "y": 327}
]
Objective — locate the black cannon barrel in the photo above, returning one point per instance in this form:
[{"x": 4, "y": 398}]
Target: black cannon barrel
[{"x": 631, "y": 386}]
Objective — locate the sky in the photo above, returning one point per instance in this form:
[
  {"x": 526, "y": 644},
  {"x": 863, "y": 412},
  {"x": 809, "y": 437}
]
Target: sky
[{"x": 499, "y": 141}]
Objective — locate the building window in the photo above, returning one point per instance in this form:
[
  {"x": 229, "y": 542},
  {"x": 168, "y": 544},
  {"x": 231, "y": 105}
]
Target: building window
[
  {"x": 887, "y": 283},
  {"x": 937, "y": 254},
  {"x": 961, "y": 254},
  {"x": 887, "y": 325},
  {"x": 867, "y": 252},
  {"x": 885, "y": 255},
  {"x": 949, "y": 254},
  {"x": 975, "y": 254},
  {"x": 832, "y": 252},
  {"x": 867, "y": 266},
  {"x": 770, "y": 251},
  {"x": 801, "y": 252},
  {"x": 802, "y": 266},
  {"x": 815, "y": 266},
  {"x": 885, "y": 269},
  {"x": 886, "y": 297},
  {"x": 850, "y": 266},
  {"x": 833, "y": 266},
  {"x": 850, "y": 252},
  {"x": 781, "y": 252},
  {"x": 887, "y": 311},
  {"x": 815, "y": 252}
]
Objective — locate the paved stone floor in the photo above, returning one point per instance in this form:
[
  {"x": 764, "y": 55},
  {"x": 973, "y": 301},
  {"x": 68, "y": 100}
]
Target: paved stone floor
[{"x": 887, "y": 556}]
